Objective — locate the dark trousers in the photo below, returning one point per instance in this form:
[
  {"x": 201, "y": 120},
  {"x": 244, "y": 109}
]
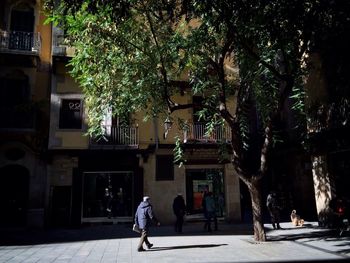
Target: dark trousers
[
  {"x": 144, "y": 238},
  {"x": 179, "y": 222},
  {"x": 275, "y": 217},
  {"x": 212, "y": 216}
]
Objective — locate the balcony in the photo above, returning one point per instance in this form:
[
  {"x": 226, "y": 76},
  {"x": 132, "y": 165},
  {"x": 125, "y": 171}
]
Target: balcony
[
  {"x": 196, "y": 132},
  {"x": 119, "y": 137},
  {"x": 17, "y": 42},
  {"x": 60, "y": 48}
]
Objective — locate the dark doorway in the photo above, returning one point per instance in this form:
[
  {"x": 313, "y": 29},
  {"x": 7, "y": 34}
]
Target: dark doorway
[
  {"x": 61, "y": 203},
  {"x": 14, "y": 191}
]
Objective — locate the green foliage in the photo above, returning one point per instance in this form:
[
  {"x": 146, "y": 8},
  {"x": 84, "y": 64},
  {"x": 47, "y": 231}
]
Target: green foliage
[
  {"x": 178, "y": 152},
  {"x": 130, "y": 54}
]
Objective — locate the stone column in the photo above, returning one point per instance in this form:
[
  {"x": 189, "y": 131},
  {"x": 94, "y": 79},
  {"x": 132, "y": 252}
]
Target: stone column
[{"x": 232, "y": 194}]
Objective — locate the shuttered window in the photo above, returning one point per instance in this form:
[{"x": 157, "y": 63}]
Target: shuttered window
[{"x": 164, "y": 168}]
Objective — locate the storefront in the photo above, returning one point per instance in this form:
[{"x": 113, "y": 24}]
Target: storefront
[
  {"x": 201, "y": 181},
  {"x": 107, "y": 194}
]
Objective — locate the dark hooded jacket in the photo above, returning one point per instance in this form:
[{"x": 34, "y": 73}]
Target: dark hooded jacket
[{"x": 144, "y": 215}]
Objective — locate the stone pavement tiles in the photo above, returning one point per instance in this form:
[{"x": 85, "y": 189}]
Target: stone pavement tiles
[{"x": 226, "y": 245}]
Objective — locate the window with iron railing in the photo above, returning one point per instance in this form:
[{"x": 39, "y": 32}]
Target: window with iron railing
[{"x": 71, "y": 114}]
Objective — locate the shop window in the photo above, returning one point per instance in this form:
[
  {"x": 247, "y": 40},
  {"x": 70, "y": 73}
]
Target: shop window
[
  {"x": 164, "y": 168},
  {"x": 70, "y": 114},
  {"x": 108, "y": 194}
]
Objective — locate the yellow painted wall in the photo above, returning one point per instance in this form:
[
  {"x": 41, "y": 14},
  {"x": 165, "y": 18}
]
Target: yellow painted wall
[
  {"x": 67, "y": 85},
  {"x": 73, "y": 139},
  {"x": 45, "y": 34},
  {"x": 162, "y": 193}
]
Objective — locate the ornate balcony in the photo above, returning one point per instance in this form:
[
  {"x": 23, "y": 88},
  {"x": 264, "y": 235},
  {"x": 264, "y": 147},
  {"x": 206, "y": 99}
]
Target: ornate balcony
[
  {"x": 18, "y": 42},
  {"x": 197, "y": 132},
  {"x": 117, "y": 137}
]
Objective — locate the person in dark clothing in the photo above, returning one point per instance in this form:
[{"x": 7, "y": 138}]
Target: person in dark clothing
[
  {"x": 210, "y": 208},
  {"x": 274, "y": 209},
  {"x": 204, "y": 207},
  {"x": 109, "y": 202},
  {"x": 143, "y": 219},
  {"x": 179, "y": 209}
]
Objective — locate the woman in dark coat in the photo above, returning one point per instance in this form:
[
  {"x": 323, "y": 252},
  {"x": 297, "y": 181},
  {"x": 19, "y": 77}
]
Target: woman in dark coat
[{"x": 143, "y": 218}]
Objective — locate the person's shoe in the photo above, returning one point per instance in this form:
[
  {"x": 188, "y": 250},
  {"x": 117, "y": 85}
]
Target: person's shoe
[
  {"x": 141, "y": 249},
  {"x": 149, "y": 246}
]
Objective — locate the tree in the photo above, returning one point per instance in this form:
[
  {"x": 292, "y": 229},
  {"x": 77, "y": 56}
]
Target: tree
[{"x": 132, "y": 55}]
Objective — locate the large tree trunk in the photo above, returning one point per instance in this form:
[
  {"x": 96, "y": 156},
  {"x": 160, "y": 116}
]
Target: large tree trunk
[{"x": 255, "y": 195}]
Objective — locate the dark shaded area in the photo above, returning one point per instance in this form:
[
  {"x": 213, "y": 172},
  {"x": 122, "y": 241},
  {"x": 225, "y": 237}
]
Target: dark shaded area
[{"x": 98, "y": 232}]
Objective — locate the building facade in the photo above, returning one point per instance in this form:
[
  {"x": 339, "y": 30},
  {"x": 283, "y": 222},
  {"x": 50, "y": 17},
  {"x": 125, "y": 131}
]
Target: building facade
[
  {"x": 53, "y": 174},
  {"x": 104, "y": 180},
  {"x": 25, "y": 59}
]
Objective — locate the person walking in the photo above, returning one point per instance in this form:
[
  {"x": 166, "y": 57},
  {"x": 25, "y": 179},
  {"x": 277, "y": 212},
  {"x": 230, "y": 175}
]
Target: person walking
[
  {"x": 205, "y": 214},
  {"x": 143, "y": 219},
  {"x": 210, "y": 208},
  {"x": 179, "y": 208},
  {"x": 274, "y": 209}
]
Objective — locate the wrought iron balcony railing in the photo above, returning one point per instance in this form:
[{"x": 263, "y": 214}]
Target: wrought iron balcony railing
[
  {"x": 117, "y": 136},
  {"x": 20, "y": 42},
  {"x": 197, "y": 132}
]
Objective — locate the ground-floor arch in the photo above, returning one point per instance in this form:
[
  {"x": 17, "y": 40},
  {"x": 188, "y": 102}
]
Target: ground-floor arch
[{"x": 14, "y": 193}]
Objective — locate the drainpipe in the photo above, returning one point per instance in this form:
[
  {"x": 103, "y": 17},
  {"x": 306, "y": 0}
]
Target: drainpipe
[{"x": 155, "y": 126}]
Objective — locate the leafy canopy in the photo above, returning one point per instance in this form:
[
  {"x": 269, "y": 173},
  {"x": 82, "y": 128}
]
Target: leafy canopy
[{"x": 135, "y": 55}]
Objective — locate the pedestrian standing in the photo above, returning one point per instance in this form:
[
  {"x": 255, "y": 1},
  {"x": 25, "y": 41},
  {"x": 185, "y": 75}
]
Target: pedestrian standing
[
  {"x": 179, "y": 208},
  {"x": 274, "y": 209},
  {"x": 143, "y": 219},
  {"x": 211, "y": 211}
]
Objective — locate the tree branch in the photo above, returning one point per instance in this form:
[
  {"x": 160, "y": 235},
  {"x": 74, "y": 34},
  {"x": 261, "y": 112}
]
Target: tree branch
[{"x": 163, "y": 70}]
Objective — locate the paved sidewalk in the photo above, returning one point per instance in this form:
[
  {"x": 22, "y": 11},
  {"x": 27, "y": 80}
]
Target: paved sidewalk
[{"x": 232, "y": 243}]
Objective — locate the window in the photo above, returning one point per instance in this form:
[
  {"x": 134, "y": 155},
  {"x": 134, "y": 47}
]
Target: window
[
  {"x": 164, "y": 168},
  {"x": 70, "y": 114},
  {"x": 16, "y": 109},
  {"x": 21, "y": 27}
]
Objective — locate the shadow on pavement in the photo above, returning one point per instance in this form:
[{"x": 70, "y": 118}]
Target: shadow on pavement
[
  {"x": 100, "y": 232},
  {"x": 186, "y": 247}
]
